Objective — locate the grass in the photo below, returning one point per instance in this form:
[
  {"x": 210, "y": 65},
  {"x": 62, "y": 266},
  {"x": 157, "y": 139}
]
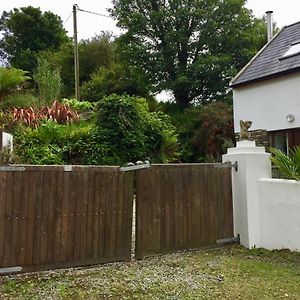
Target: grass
[{"x": 227, "y": 273}]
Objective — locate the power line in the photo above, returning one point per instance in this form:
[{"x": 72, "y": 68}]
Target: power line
[
  {"x": 68, "y": 18},
  {"x": 92, "y": 12}
]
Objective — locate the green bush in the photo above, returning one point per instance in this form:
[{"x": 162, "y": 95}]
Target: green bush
[
  {"x": 79, "y": 106},
  {"x": 10, "y": 79},
  {"x": 52, "y": 143},
  {"x": 19, "y": 100},
  {"x": 48, "y": 81},
  {"x": 127, "y": 131},
  {"x": 288, "y": 165}
]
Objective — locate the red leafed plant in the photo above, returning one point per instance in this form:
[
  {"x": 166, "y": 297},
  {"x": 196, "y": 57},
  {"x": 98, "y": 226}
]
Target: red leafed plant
[{"x": 61, "y": 113}]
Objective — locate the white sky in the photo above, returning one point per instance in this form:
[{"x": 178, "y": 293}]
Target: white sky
[{"x": 285, "y": 12}]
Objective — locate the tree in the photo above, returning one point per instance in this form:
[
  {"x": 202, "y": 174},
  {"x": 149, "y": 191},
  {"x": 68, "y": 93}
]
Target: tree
[
  {"x": 93, "y": 54},
  {"x": 192, "y": 47},
  {"x": 206, "y": 132},
  {"x": 26, "y": 32}
]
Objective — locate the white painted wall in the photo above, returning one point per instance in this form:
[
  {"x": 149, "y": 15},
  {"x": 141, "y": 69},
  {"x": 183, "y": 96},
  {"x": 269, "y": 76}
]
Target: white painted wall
[
  {"x": 266, "y": 211},
  {"x": 279, "y": 211},
  {"x": 267, "y": 103}
]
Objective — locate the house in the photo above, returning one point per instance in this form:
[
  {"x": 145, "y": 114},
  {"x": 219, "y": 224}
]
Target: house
[{"x": 267, "y": 91}]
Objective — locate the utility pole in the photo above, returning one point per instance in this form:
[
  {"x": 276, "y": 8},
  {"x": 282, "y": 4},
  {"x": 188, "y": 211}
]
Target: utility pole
[{"x": 76, "y": 56}]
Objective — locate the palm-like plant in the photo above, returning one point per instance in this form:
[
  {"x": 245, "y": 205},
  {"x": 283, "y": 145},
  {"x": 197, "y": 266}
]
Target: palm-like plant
[
  {"x": 10, "y": 79},
  {"x": 288, "y": 165}
]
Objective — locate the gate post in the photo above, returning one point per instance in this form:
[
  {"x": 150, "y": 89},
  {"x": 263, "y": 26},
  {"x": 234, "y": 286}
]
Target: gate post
[{"x": 253, "y": 163}]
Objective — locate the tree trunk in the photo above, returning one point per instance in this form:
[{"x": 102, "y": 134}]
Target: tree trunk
[{"x": 182, "y": 98}]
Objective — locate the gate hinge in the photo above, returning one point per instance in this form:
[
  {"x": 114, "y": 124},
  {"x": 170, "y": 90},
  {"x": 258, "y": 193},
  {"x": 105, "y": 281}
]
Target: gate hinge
[
  {"x": 231, "y": 240},
  {"x": 227, "y": 165}
]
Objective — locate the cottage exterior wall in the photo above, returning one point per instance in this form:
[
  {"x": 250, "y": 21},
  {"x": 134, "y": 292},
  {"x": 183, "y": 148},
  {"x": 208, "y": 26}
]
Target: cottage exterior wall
[{"x": 267, "y": 103}]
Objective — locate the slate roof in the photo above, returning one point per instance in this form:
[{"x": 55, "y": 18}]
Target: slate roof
[{"x": 268, "y": 63}]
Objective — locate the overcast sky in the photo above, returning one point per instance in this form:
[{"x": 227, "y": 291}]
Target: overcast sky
[{"x": 285, "y": 12}]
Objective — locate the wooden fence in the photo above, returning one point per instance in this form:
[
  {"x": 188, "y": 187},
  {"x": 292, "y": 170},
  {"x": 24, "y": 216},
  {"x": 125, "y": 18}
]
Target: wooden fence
[
  {"x": 53, "y": 217},
  {"x": 182, "y": 207}
]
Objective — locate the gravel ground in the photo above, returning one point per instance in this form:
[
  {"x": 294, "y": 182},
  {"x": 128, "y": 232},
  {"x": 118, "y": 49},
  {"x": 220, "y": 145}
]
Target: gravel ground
[{"x": 230, "y": 272}]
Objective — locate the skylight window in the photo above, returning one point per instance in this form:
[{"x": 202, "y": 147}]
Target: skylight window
[{"x": 293, "y": 50}]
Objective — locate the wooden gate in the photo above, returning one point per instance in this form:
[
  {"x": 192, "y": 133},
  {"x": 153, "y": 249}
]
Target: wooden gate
[
  {"x": 61, "y": 216},
  {"x": 182, "y": 206}
]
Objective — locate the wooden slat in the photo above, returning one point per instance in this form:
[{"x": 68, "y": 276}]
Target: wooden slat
[{"x": 194, "y": 204}]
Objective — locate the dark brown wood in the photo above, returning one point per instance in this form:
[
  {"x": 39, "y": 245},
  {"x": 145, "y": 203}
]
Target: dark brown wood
[
  {"x": 53, "y": 218},
  {"x": 180, "y": 207}
]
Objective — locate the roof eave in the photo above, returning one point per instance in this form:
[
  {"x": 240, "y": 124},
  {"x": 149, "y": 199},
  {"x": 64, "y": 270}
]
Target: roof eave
[{"x": 231, "y": 84}]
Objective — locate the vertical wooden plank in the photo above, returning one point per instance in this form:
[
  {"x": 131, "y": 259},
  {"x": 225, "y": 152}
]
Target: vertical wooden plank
[
  {"x": 16, "y": 217},
  {"x": 97, "y": 214},
  {"x": 91, "y": 215},
  {"x": 119, "y": 214},
  {"x": 78, "y": 216},
  {"x": 46, "y": 243},
  {"x": 83, "y": 220},
  {"x": 8, "y": 219},
  {"x": 50, "y": 203},
  {"x": 24, "y": 218},
  {"x": 3, "y": 183},
  {"x": 65, "y": 216},
  {"x": 72, "y": 217},
  {"x": 113, "y": 216},
  {"x": 38, "y": 217},
  {"x": 59, "y": 189},
  {"x": 104, "y": 179}
]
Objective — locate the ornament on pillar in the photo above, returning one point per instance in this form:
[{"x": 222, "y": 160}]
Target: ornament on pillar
[{"x": 244, "y": 132}]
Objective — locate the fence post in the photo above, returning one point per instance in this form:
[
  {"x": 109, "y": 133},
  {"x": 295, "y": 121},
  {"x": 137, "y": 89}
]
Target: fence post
[{"x": 253, "y": 164}]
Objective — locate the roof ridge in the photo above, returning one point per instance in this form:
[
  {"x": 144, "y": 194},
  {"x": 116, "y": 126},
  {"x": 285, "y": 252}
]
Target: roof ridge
[{"x": 293, "y": 24}]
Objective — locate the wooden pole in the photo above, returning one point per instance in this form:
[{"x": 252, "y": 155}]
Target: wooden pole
[{"x": 76, "y": 56}]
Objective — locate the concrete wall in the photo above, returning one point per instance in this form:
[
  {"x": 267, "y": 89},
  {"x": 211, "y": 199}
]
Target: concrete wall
[
  {"x": 279, "y": 214},
  {"x": 267, "y": 103},
  {"x": 266, "y": 211}
]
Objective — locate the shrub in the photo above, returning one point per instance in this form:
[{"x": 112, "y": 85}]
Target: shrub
[
  {"x": 48, "y": 81},
  {"x": 19, "y": 100},
  {"x": 10, "y": 80},
  {"x": 288, "y": 165},
  {"x": 127, "y": 131},
  {"x": 206, "y": 132}
]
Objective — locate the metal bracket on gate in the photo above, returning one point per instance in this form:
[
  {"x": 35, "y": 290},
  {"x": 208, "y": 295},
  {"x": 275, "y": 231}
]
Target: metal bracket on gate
[
  {"x": 137, "y": 166},
  {"x": 11, "y": 168},
  {"x": 228, "y": 165},
  {"x": 231, "y": 240},
  {"x": 9, "y": 270}
]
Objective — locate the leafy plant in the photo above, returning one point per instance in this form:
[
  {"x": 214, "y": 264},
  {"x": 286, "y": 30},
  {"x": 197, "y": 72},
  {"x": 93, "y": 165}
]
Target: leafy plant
[
  {"x": 10, "y": 80},
  {"x": 48, "y": 81},
  {"x": 19, "y": 100},
  {"x": 80, "y": 106},
  {"x": 288, "y": 165}
]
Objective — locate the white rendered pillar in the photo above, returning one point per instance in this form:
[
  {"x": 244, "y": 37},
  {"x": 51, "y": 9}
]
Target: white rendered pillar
[{"x": 253, "y": 163}]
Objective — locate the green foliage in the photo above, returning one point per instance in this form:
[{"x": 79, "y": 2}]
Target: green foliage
[
  {"x": 93, "y": 54},
  {"x": 18, "y": 100},
  {"x": 190, "y": 47},
  {"x": 52, "y": 143},
  {"x": 27, "y": 31},
  {"x": 117, "y": 79},
  {"x": 205, "y": 132},
  {"x": 10, "y": 79},
  {"x": 130, "y": 132},
  {"x": 79, "y": 106},
  {"x": 48, "y": 81},
  {"x": 288, "y": 165}
]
